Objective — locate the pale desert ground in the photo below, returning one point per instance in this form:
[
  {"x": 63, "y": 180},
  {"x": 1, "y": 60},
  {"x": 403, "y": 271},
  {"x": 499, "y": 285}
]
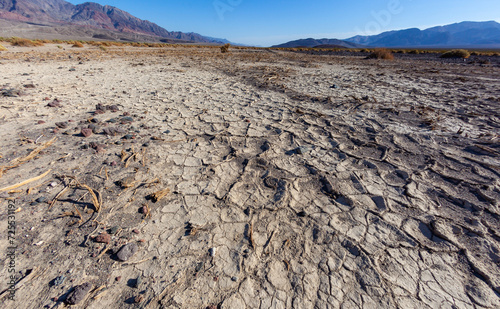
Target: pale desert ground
[{"x": 296, "y": 180}]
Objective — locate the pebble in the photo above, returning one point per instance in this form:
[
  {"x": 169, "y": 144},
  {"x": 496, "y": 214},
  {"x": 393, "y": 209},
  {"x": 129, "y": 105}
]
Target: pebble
[
  {"x": 86, "y": 132},
  {"x": 59, "y": 280},
  {"x": 53, "y": 184},
  {"x": 95, "y": 128},
  {"x": 62, "y": 125},
  {"x": 129, "y": 136},
  {"x": 40, "y": 122},
  {"x": 55, "y": 103},
  {"x": 137, "y": 282},
  {"x": 143, "y": 210},
  {"x": 117, "y": 279},
  {"x": 234, "y": 279},
  {"x": 113, "y": 230},
  {"x": 302, "y": 150},
  {"x": 127, "y": 251},
  {"x": 213, "y": 251},
  {"x": 29, "y": 86},
  {"x": 78, "y": 293},
  {"x": 41, "y": 199},
  {"x": 138, "y": 299},
  {"x": 126, "y": 120},
  {"x": 136, "y": 231},
  {"x": 103, "y": 238}
]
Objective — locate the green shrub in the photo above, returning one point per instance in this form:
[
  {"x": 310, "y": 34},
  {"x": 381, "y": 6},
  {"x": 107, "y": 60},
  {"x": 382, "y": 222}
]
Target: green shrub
[{"x": 457, "y": 53}]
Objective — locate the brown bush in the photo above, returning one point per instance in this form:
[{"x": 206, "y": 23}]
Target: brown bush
[
  {"x": 78, "y": 44},
  {"x": 381, "y": 53},
  {"x": 225, "y": 48},
  {"x": 24, "y": 42},
  {"x": 456, "y": 53},
  {"x": 2, "y": 48}
]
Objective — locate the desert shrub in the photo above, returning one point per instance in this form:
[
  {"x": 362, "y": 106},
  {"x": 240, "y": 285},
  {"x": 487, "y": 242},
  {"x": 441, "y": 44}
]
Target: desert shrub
[
  {"x": 24, "y": 42},
  {"x": 414, "y": 52},
  {"x": 381, "y": 53},
  {"x": 59, "y": 46},
  {"x": 225, "y": 48},
  {"x": 457, "y": 53},
  {"x": 78, "y": 44},
  {"x": 2, "y": 48},
  {"x": 103, "y": 48}
]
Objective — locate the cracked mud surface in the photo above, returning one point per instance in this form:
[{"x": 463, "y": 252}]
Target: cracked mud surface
[{"x": 286, "y": 192}]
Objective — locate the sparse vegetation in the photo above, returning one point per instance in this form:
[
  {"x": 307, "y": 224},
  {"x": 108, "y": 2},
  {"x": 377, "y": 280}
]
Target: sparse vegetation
[
  {"x": 2, "y": 48},
  {"x": 24, "y": 42},
  {"x": 381, "y": 53},
  {"x": 78, "y": 44},
  {"x": 225, "y": 48},
  {"x": 457, "y": 53},
  {"x": 103, "y": 48}
]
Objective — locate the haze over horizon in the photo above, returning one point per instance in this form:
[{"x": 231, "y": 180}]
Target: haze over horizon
[{"x": 264, "y": 23}]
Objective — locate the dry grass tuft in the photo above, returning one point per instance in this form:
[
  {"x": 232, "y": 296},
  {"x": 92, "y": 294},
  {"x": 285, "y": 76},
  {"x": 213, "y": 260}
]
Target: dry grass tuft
[
  {"x": 2, "y": 48},
  {"x": 24, "y": 42},
  {"x": 381, "y": 53},
  {"x": 457, "y": 53},
  {"x": 225, "y": 48},
  {"x": 77, "y": 44}
]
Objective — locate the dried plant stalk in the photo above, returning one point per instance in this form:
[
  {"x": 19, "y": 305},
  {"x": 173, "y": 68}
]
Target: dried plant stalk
[
  {"x": 25, "y": 182},
  {"x": 160, "y": 194},
  {"x": 95, "y": 201},
  {"x": 18, "y": 161}
]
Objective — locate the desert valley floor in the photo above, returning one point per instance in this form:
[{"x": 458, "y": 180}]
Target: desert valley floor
[{"x": 182, "y": 177}]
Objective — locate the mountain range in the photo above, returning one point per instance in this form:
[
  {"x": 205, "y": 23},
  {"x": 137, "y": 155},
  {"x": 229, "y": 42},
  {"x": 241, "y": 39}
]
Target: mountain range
[
  {"x": 465, "y": 34},
  {"x": 51, "y": 18}
]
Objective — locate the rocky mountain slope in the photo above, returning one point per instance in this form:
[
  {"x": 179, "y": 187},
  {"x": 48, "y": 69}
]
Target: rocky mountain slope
[{"x": 59, "y": 13}]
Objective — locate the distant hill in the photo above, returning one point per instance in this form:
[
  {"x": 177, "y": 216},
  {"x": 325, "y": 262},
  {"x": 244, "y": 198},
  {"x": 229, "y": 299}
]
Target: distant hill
[
  {"x": 464, "y": 34},
  {"x": 37, "y": 16},
  {"x": 318, "y": 42}
]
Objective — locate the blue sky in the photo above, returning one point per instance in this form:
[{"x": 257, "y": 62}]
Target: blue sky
[{"x": 268, "y": 22}]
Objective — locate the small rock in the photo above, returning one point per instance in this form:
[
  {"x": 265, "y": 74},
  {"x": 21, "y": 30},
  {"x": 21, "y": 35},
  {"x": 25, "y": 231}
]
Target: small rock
[
  {"x": 302, "y": 214},
  {"x": 72, "y": 69},
  {"x": 78, "y": 293},
  {"x": 113, "y": 230},
  {"x": 41, "y": 199},
  {"x": 62, "y": 125},
  {"x": 234, "y": 279},
  {"x": 112, "y": 120},
  {"x": 143, "y": 210},
  {"x": 29, "y": 86},
  {"x": 99, "y": 112},
  {"x": 59, "y": 280},
  {"x": 127, "y": 251},
  {"x": 302, "y": 150},
  {"x": 117, "y": 279},
  {"x": 53, "y": 184},
  {"x": 137, "y": 282},
  {"x": 136, "y": 231},
  {"x": 129, "y": 136},
  {"x": 138, "y": 299},
  {"x": 213, "y": 251},
  {"x": 95, "y": 128},
  {"x": 126, "y": 120},
  {"x": 86, "y": 132},
  {"x": 113, "y": 108},
  {"x": 55, "y": 103},
  {"x": 40, "y": 122},
  {"x": 103, "y": 238}
]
